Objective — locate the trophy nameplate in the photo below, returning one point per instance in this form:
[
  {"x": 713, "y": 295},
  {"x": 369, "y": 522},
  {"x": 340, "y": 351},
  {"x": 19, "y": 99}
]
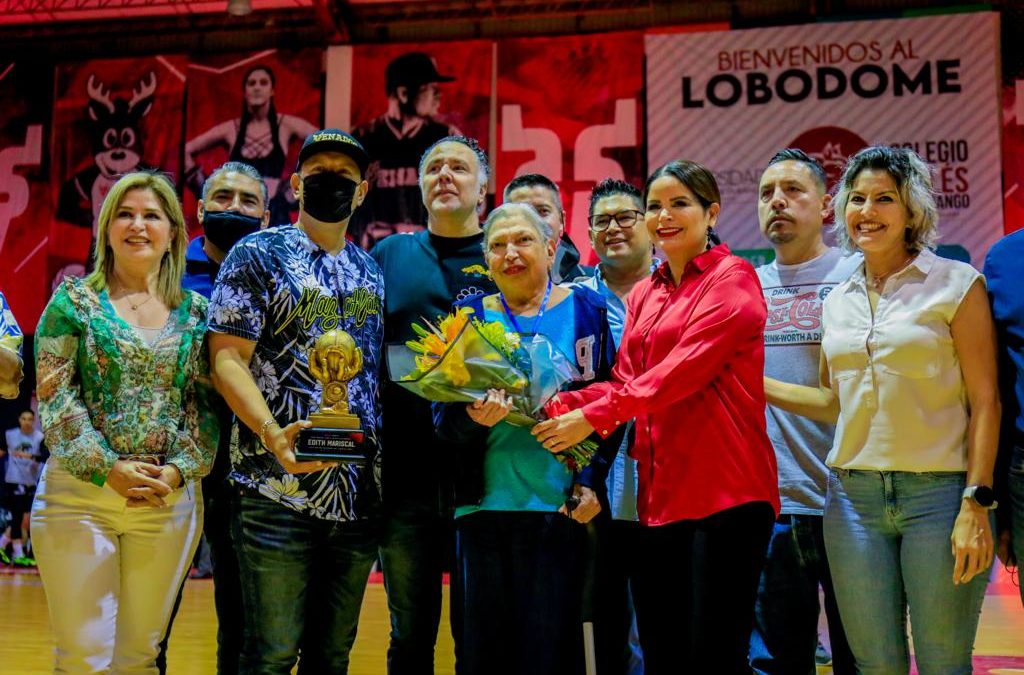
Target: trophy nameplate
[{"x": 337, "y": 434}]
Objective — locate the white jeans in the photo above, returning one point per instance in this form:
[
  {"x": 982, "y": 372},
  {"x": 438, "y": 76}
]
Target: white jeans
[{"x": 111, "y": 573}]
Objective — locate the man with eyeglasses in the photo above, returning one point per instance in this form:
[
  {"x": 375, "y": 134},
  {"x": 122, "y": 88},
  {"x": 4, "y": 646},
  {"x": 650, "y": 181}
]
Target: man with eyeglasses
[
  {"x": 543, "y": 195},
  {"x": 620, "y": 239}
]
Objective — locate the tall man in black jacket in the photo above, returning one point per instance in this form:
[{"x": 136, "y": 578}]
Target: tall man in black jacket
[{"x": 425, "y": 273}]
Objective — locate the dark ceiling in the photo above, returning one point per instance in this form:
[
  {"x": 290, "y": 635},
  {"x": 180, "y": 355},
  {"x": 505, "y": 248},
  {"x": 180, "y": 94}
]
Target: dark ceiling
[{"x": 56, "y": 30}]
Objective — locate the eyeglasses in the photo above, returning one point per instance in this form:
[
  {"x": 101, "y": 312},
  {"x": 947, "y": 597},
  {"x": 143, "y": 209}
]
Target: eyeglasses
[{"x": 625, "y": 219}]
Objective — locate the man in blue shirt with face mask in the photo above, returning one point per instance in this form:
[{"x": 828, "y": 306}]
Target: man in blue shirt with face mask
[
  {"x": 305, "y": 531},
  {"x": 233, "y": 204}
]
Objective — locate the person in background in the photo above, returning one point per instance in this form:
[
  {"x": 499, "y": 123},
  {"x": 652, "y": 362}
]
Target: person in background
[
  {"x": 10, "y": 377},
  {"x": 908, "y": 368},
  {"x": 793, "y": 202},
  {"x": 233, "y": 205},
  {"x": 543, "y": 195},
  {"x": 448, "y": 260},
  {"x": 1004, "y": 270},
  {"x": 25, "y": 456},
  {"x": 260, "y": 138},
  {"x": 396, "y": 141},
  {"x": 689, "y": 370},
  {"x": 623, "y": 245},
  {"x": 124, "y": 399}
]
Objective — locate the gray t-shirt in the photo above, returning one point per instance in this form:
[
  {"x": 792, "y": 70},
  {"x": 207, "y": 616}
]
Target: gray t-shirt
[
  {"x": 23, "y": 470},
  {"x": 792, "y": 340}
]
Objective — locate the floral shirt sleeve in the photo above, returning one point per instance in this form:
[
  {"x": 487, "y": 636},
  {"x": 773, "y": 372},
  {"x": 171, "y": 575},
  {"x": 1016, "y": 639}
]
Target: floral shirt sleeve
[
  {"x": 241, "y": 298},
  {"x": 10, "y": 339},
  {"x": 196, "y": 446},
  {"x": 70, "y": 434}
]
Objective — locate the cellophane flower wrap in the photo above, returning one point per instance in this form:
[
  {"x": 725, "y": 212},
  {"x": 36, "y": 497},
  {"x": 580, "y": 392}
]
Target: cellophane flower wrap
[{"x": 460, "y": 358}]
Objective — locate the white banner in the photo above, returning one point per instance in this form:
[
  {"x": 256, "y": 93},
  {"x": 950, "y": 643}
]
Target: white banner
[{"x": 731, "y": 99}]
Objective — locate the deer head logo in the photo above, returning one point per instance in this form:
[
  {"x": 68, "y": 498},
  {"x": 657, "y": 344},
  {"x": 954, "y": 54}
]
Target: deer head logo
[{"x": 116, "y": 130}]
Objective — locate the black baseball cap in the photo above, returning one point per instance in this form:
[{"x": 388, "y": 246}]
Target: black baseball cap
[
  {"x": 413, "y": 68},
  {"x": 334, "y": 140}
]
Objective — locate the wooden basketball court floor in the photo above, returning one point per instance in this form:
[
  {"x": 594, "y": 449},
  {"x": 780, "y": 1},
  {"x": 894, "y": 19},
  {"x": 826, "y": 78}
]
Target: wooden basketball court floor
[{"x": 26, "y": 646}]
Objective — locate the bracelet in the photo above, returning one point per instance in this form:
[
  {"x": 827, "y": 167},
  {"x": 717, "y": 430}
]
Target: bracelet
[
  {"x": 184, "y": 485},
  {"x": 263, "y": 431}
]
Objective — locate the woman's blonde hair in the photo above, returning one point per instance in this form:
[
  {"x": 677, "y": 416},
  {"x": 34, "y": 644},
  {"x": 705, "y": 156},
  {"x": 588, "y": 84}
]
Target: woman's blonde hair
[
  {"x": 913, "y": 179},
  {"x": 172, "y": 265}
]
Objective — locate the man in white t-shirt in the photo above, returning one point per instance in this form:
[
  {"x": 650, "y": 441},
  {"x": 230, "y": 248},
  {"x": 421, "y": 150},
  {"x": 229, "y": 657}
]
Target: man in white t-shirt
[{"x": 793, "y": 204}]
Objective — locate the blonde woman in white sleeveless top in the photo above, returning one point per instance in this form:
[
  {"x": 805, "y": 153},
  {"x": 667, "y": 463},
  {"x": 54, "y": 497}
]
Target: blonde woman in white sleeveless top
[{"x": 909, "y": 376}]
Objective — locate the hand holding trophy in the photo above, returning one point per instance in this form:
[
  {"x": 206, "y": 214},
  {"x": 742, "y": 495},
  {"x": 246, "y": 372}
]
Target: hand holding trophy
[{"x": 336, "y": 434}]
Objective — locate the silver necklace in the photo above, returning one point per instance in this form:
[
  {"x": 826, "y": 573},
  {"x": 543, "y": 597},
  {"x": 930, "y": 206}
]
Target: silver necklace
[{"x": 878, "y": 282}]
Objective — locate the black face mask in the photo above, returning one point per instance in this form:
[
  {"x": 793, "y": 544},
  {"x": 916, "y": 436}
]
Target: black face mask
[
  {"x": 327, "y": 196},
  {"x": 225, "y": 228}
]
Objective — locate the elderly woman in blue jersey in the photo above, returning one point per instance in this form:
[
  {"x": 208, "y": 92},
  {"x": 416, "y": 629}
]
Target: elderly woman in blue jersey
[{"x": 519, "y": 555}]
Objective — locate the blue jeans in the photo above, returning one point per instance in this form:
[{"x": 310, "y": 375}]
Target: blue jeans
[
  {"x": 1016, "y": 485},
  {"x": 887, "y": 535},
  {"x": 303, "y": 581},
  {"x": 785, "y": 632},
  {"x": 414, "y": 547}
]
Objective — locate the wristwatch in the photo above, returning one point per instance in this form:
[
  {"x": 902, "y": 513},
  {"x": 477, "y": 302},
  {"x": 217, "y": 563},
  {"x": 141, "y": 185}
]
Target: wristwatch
[{"x": 983, "y": 496}]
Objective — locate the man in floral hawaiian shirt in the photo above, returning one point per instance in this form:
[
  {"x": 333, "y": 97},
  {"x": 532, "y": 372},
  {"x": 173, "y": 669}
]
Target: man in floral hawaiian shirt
[{"x": 305, "y": 530}]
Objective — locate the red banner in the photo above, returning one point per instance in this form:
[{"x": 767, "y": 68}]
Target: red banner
[
  {"x": 1013, "y": 156},
  {"x": 254, "y": 108},
  {"x": 571, "y": 108},
  {"x": 110, "y": 117},
  {"x": 25, "y": 104},
  {"x": 403, "y": 99}
]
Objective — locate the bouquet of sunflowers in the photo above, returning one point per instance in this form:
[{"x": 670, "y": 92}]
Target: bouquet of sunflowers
[{"x": 461, "y": 357}]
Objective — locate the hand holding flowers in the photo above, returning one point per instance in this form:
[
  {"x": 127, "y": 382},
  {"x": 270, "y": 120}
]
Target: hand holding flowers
[
  {"x": 491, "y": 409},
  {"x": 463, "y": 359},
  {"x": 558, "y": 434}
]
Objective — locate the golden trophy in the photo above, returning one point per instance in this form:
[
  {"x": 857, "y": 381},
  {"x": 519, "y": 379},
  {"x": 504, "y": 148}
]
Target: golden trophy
[{"x": 336, "y": 434}]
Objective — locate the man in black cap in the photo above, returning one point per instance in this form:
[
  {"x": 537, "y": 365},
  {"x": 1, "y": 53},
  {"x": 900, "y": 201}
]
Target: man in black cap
[
  {"x": 305, "y": 531},
  {"x": 397, "y": 140}
]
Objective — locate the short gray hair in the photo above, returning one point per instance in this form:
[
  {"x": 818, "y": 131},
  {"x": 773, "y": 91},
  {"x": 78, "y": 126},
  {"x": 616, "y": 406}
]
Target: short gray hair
[
  {"x": 533, "y": 180},
  {"x": 913, "y": 179},
  {"x": 517, "y": 210},
  {"x": 483, "y": 168},
  {"x": 245, "y": 170}
]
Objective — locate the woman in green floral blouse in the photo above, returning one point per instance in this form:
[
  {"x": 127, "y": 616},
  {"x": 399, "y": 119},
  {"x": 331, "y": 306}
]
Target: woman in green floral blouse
[{"x": 122, "y": 374}]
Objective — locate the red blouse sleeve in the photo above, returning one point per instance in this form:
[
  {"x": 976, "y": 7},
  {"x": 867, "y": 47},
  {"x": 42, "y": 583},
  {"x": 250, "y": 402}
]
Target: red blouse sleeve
[
  {"x": 728, "y": 314},
  {"x": 622, "y": 371}
]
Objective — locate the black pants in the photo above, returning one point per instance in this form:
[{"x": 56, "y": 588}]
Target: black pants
[
  {"x": 695, "y": 599},
  {"x": 618, "y": 566},
  {"x": 521, "y": 577},
  {"x": 19, "y": 502},
  {"x": 227, "y": 585},
  {"x": 415, "y": 545}
]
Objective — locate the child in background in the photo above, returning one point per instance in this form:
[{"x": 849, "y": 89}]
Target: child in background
[{"x": 25, "y": 456}]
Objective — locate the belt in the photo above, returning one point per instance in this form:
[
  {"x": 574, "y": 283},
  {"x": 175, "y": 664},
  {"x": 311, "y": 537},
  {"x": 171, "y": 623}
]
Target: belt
[{"x": 158, "y": 460}]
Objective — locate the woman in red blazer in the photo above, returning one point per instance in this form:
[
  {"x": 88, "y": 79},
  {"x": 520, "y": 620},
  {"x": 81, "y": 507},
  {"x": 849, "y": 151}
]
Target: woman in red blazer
[{"x": 689, "y": 370}]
